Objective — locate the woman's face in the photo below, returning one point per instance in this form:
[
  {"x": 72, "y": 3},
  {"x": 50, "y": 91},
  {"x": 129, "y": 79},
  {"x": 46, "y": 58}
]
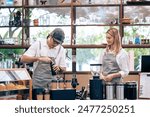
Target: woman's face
[{"x": 109, "y": 39}]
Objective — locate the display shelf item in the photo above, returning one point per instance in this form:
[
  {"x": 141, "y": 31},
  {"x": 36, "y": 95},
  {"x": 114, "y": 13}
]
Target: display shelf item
[
  {"x": 15, "y": 81},
  {"x": 14, "y": 92},
  {"x": 14, "y": 74}
]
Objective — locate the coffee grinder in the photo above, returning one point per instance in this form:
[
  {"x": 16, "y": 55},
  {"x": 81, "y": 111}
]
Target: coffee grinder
[
  {"x": 95, "y": 70},
  {"x": 96, "y": 84}
]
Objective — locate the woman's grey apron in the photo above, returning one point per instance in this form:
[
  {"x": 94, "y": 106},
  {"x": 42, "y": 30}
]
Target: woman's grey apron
[
  {"x": 42, "y": 75},
  {"x": 110, "y": 66}
]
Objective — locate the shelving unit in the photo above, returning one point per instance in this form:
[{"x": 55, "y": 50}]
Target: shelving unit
[
  {"x": 25, "y": 6},
  {"x": 75, "y": 12}
]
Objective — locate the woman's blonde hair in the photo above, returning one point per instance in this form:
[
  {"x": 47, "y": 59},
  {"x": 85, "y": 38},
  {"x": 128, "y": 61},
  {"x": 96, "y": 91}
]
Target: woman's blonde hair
[{"x": 117, "y": 40}]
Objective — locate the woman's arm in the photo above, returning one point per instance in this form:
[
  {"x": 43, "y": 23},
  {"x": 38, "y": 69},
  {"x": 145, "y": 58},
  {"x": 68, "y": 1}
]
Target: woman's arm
[
  {"x": 109, "y": 77},
  {"x": 123, "y": 62}
]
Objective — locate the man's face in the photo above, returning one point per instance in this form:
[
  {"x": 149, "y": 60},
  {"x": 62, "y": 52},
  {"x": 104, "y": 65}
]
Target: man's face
[{"x": 51, "y": 42}]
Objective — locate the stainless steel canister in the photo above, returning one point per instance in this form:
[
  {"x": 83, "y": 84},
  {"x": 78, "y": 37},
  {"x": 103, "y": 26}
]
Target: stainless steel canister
[
  {"x": 119, "y": 91},
  {"x": 109, "y": 91}
]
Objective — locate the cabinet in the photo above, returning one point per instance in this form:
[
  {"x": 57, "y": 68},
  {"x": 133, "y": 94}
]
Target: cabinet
[
  {"x": 84, "y": 22},
  {"x": 15, "y": 83}
]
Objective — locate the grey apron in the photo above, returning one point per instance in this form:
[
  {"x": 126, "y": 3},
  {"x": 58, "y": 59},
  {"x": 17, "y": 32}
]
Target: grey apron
[
  {"x": 42, "y": 75},
  {"x": 110, "y": 66}
]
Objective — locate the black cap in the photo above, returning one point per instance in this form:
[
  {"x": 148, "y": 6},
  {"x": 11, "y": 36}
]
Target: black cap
[{"x": 58, "y": 35}]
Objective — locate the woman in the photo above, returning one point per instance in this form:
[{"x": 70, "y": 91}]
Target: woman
[
  {"x": 114, "y": 59},
  {"x": 44, "y": 52}
]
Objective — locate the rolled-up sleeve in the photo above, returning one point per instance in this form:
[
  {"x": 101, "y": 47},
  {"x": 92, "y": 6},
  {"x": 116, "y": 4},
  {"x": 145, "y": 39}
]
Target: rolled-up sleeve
[
  {"x": 32, "y": 51},
  {"x": 123, "y": 62}
]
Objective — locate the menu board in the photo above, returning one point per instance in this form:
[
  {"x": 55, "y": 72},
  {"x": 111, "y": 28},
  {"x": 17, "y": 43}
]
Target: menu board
[
  {"x": 14, "y": 74},
  {"x": 144, "y": 85}
]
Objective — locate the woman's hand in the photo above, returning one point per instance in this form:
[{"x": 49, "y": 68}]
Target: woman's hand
[{"x": 108, "y": 78}]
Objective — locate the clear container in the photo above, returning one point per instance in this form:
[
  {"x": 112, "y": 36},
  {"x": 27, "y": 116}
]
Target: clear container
[
  {"x": 61, "y": 84},
  {"x": 68, "y": 84},
  {"x": 95, "y": 70},
  {"x": 53, "y": 85}
]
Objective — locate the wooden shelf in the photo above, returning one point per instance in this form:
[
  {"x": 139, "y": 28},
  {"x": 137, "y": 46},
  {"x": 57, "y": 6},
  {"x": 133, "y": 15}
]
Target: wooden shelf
[
  {"x": 97, "y": 5},
  {"x": 11, "y": 6},
  {"x": 65, "y": 46},
  {"x": 84, "y": 46},
  {"x": 48, "y": 26},
  {"x": 69, "y": 5},
  {"x": 96, "y": 24},
  {"x": 135, "y": 24},
  {"x": 13, "y": 47},
  {"x": 136, "y": 46},
  {"x": 103, "y": 46},
  {"x": 46, "y": 6},
  {"x": 11, "y": 26},
  {"x": 146, "y": 3},
  {"x": 73, "y": 25},
  {"x": 77, "y": 46}
]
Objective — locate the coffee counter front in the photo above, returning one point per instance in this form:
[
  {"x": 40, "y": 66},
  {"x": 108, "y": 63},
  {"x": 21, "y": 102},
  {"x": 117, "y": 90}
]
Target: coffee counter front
[
  {"x": 87, "y": 89},
  {"x": 55, "y": 94},
  {"x": 97, "y": 90}
]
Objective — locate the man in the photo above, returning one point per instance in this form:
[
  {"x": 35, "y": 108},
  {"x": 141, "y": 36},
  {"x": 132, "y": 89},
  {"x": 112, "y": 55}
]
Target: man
[{"x": 43, "y": 53}]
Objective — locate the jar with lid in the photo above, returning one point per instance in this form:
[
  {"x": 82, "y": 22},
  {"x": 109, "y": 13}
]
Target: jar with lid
[
  {"x": 110, "y": 90},
  {"x": 119, "y": 91}
]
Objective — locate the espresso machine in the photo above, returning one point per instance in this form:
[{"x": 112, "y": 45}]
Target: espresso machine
[{"x": 96, "y": 84}]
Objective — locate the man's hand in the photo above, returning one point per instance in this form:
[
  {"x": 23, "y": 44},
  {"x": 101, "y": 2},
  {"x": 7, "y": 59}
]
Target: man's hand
[{"x": 45, "y": 59}]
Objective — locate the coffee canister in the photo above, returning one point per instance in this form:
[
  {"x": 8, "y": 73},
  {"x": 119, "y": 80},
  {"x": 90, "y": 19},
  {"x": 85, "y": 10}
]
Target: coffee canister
[
  {"x": 96, "y": 89},
  {"x": 109, "y": 91},
  {"x": 119, "y": 91},
  {"x": 131, "y": 90}
]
